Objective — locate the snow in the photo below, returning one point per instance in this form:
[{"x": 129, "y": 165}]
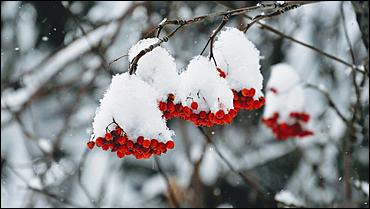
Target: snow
[
  {"x": 288, "y": 198},
  {"x": 133, "y": 105},
  {"x": 33, "y": 82},
  {"x": 108, "y": 10},
  {"x": 202, "y": 84},
  {"x": 157, "y": 68},
  {"x": 290, "y": 93},
  {"x": 239, "y": 59},
  {"x": 363, "y": 185},
  {"x": 154, "y": 186}
]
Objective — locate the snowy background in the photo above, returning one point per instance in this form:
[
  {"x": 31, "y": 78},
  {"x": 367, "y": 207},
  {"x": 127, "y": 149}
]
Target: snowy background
[{"x": 55, "y": 68}]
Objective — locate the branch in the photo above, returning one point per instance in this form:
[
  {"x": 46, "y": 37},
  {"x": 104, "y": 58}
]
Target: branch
[
  {"x": 133, "y": 64},
  {"x": 283, "y": 35},
  {"x": 180, "y": 23},
  {"x": 171, "y": 195},
  {"x": 248, "y": 180},
  {"x": 43, "y": 190},
  {"x": 211, "y": 39},
  {"x": 330, "y": 101}
]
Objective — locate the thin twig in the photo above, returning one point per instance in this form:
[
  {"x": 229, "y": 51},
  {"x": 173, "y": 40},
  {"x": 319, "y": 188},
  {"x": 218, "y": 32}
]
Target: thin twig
[
  {"x": 41, "y": 191},
  {"x": 171, "y": 195},
  {"x": 248, "y": 180},
  {"x": 211, "y": 39},
  {"x": 330, "y": 101},
  {"x": 320, "y": 51},
  {"x": 135, "y": 60},
  {"x": 180, "y": 23}
]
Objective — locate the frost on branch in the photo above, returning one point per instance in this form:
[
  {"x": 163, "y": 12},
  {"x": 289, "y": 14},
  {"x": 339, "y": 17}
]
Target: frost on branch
[
  {"x": 157, "y": 68},
  {"x": 128, "y": 120},
  {"x": 206, "y": 98},
  {"x": 238, "y": 62},
  {"x": 285, "y": 104}
]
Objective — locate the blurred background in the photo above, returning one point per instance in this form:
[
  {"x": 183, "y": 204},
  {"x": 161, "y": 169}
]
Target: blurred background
[{"x": 56, "y": 64}]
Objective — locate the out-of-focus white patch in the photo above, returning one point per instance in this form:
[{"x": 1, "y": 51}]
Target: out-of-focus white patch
[
  {"x": 108, "y": 10},
  {"x": 288, "y": 198},
  {"x": 154, "y": 186},
  {"x": 290, "y": 93}
]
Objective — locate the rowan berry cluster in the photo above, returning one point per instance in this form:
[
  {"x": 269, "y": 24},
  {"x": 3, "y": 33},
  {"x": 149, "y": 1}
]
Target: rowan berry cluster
[
  {"x": 285, "y": 130},
  {"x": 141, "y": 148}
]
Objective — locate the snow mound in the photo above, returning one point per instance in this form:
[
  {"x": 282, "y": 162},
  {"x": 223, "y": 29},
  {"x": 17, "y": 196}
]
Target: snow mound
[
  {"x": 239, "y": 59},
  {"x": 285, "y": 93},
  {"x": 201, "y": 83},
  {"x": 157, "y": 67},
  {"x": 132, "y": 103}
]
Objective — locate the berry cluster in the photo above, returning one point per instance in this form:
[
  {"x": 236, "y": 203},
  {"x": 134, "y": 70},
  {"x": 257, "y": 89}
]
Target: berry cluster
[
  {"x": 203, "y": 118},
  {"x": 117, "y": 141},
  {"x": 284, "y": 130},
  {"x": 244, "y": 100}
]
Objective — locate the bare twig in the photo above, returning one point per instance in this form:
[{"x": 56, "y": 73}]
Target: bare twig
[
  {"x": 135, "y": 60},
  {"x": 42, "y": 190},
  {"x": 330, "y": 101},
  {"x": 211, "y": 39},
  {"x": 248, "y": 180},
  {"x": 171, "y": 193},
  {"x": 320, "y": 51},
  {"x": 180, "y": 23}
]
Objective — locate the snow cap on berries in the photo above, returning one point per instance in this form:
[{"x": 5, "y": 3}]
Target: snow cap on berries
[
  {"x": 239, "y": 59},
  {"x": 201, "y": 84},
  {"x": 157, "y": 67},
  {"x": 284, "y": 92},
  {"x": 132, "y": 103}
]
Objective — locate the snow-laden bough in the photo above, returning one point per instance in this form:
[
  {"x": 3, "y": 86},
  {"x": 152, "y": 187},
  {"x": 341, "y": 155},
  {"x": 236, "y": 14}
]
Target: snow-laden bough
[
  {"x": 158, "y": 69},
  {"x": 206, "y": 99},
  {"x": 128, "y": 120},
  {"x": 238, "y": 63},
  {"x": 284, "y": 111}
]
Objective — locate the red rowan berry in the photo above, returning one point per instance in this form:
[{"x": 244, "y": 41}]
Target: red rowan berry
[
  {"x": 220, "y": 114},
  {"x": 170, "y": 144},
  {"x": 194, "y": 105},
  {"x": 90, "y": 144},
  {"x": 99, "y": 142}
]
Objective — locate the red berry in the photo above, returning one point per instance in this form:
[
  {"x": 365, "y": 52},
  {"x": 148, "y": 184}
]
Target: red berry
[
  {"x": 170, "y": 144},
  {"x": 220, "y": 114},
  {"x": 108, "y": 136},
  {"x": 162, "y": 106},
  {"x": 121, "y": 140},
  {"x": 252, "y": 91},
  {"x": 305, "y": 117},
  {"x": 222, "y": 73},
  {"x": 99, "y": 142},
  {"x": 245, "y": 92},
  {"x": 105, "y": 147},
  {"x": 90, "y": 144},
  {"x": 187, "y": 111},
  {"x": 120, "y": 154},
  {"x": 170, "y": 107},
  {"x": 146, "y": 143},
  {"x": 140, "y": 140},
  {"x": 194, "y": 105},
  {"x": 153, "y": 143},
  {"x": 130, "y": 144},
  {"x": 171, "y": 97},
  {"x": 118, "y": 131},
  {"x": 203, "y": 114}
]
